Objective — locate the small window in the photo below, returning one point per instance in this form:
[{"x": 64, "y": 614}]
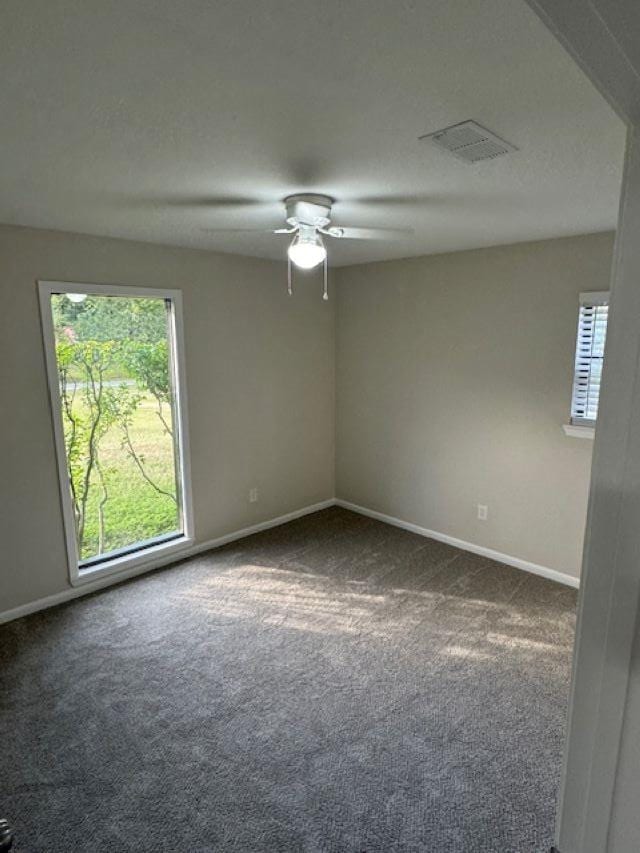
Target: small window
[
  {"x": 592, "y": 334},
  {"x": 117, "y": 394}
]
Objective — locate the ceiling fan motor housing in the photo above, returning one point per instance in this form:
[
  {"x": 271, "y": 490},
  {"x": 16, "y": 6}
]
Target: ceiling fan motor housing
[{"x": 308, "y": 209}]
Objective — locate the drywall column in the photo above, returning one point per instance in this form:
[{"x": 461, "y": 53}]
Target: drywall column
[
  {"x": 608, "y": 617},
  {"x": 598, "y": 809}
]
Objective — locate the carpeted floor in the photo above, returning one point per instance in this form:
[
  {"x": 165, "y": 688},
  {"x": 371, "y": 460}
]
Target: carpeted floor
[{"x": 334, "y": 685}]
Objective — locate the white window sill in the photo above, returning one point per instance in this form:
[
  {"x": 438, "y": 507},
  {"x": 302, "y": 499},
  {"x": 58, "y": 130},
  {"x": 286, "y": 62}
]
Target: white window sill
[
  {"x": 149, "y": 558},
  {"x": 575, "y": 431}
]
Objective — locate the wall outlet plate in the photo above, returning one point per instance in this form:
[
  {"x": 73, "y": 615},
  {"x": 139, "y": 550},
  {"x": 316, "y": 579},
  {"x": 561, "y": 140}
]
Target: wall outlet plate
[{"x": 483, "y": 512}]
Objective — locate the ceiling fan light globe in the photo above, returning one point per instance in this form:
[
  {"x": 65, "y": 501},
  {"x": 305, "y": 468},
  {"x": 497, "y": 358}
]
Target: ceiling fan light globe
[{"x": 307, "y": 255}]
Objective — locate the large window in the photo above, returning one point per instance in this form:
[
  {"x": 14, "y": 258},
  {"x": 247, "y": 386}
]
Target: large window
[
  {"x": 113, "y": 358},
  {"x": 592, "y": 334}
]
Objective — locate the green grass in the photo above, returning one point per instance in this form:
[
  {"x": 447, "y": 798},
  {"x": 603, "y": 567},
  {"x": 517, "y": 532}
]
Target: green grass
[{"x": 134, "y": 511}]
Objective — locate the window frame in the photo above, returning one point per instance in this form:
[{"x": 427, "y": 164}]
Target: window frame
[
  {"x": 155, "y": 553},
  {"x": 578, "y": 426}
]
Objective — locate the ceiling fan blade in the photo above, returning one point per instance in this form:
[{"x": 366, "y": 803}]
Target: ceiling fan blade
[
  {"x": 210, "y": 202},
  {"x": 409, "y": 198},
  {"x": 349, "y": 233},
  {"x": 243, "y": 230}
]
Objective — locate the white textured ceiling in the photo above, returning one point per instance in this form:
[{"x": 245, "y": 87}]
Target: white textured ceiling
[{"x": 155, "y": 119}]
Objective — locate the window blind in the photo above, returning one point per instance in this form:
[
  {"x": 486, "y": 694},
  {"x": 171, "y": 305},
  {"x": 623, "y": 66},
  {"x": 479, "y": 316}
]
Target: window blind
[{"x": 592, "y": 333}]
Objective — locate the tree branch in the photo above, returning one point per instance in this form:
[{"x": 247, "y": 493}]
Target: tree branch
[
  {"x": 136, "y": 459},
  {"x": 101, "y": 505},
  {"x": 160, "y": 414}
]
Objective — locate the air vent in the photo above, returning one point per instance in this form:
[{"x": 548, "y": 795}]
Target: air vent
[{"x": 469, "y": 141}]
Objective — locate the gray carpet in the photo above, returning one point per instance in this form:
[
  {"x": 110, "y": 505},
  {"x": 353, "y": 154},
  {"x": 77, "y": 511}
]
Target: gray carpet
[{"x": 334, "y": 684}]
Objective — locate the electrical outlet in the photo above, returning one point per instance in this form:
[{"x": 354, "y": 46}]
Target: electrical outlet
[
  {"x": 253, "y": 495},
  {"x": 483, "y": 512}
]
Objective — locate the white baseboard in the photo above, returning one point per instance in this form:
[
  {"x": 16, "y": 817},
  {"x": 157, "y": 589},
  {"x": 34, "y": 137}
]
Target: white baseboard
[
  {"x": 516, "y": 562},
  {"x": 209, "y": 545},
  {"x": 262, "y": 525},
  {"x": 190, "y": 551}
]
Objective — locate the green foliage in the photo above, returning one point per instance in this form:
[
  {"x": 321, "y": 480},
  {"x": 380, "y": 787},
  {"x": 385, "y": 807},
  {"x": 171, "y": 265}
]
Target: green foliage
[
  {"x": 134, "y": 511},
  {"x": 86, "y": 425},
  {"x": 148, "y": 363},
  {"x": 112, "y": 318},
  {"x": 113, "y": 360}
]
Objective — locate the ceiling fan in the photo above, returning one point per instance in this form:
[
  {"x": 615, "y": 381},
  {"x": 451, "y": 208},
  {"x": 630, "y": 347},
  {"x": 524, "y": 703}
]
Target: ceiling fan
[{"x": 308, "y": 218}]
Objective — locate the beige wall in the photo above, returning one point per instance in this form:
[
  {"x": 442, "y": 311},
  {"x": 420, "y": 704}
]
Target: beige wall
[
  {"x": 454, "y": 378},
  {"x": 453, "y": 381},
  {"x": 260, "y": 375}
]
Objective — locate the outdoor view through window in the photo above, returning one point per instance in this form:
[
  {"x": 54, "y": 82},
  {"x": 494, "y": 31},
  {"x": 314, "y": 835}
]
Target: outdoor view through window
[{"x": 115, "y": 378}]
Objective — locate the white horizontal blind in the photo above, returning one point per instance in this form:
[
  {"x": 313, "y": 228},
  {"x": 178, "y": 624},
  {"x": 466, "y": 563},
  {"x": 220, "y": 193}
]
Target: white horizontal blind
[{"x": 592, "y": 333}]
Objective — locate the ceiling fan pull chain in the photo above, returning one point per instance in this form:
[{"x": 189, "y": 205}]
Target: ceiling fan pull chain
[
  {"x": 325, "y": 295},
  {"x": 289, "y": 288}
]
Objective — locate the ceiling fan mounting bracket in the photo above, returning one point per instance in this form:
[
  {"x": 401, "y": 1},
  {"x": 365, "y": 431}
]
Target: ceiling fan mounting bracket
[{"x": 308, "y": 209}]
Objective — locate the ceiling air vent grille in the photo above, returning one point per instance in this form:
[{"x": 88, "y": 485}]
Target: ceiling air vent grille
[{"x": 469, "y": 141}]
